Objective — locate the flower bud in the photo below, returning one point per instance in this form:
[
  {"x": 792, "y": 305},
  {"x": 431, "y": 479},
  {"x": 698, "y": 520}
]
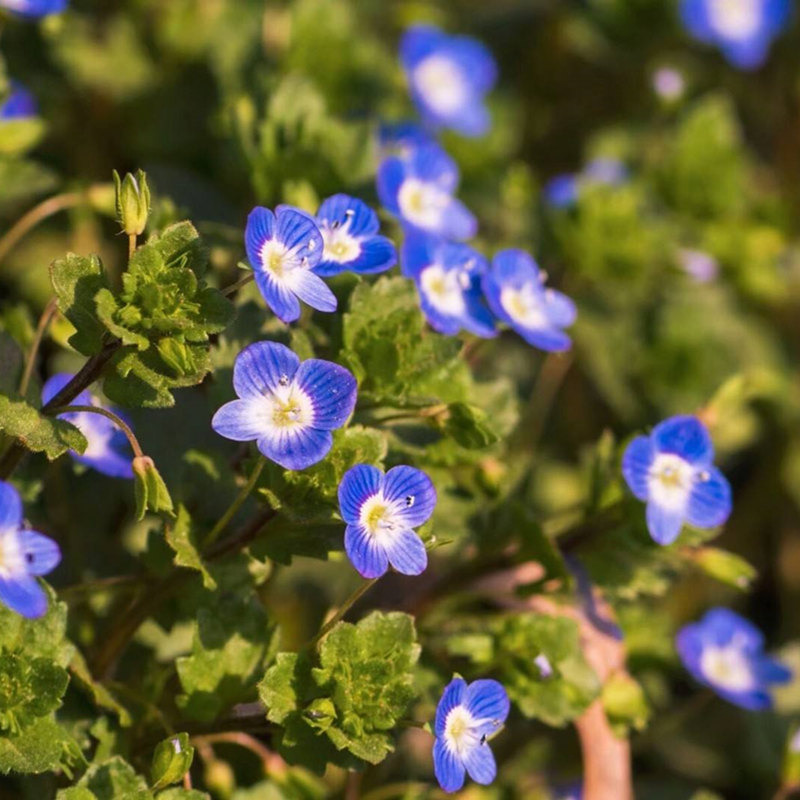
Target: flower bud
[
  {"x": 149, "y": 488},
  {"x": 133, "y": 202}
]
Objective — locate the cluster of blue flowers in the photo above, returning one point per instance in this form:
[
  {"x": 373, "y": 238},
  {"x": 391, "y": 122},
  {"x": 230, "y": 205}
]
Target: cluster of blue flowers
[{"x": 34, "y": 8}]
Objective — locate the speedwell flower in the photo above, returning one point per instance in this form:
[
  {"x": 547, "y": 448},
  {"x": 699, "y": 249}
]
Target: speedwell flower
[
  {"x": 742, "y": 29},
  {"x": 24, "y": 554},
  {"x": 349, "y": 231},
  {"x": 34, "y": 8},
  {"x": 19, "y": 103},
  {"x": 289, "y": 408},
  {"x": 402, "y": 138},
  {"x": 672, "y": 471},
  {"x": 563, "y": 190},
  {"x": 285, "y": 249},
  {"x": 465, "y": 717},
  {"x": 516, "y": 294},
  {"x": 726, "y": 652},
  {"x": 448, "y": 278},
  {"x": 448, "y": 77},
  {"x": 418, "y": 188},
  {"x": 107, "y": 449},
  {"x": 381, "y": 512}
]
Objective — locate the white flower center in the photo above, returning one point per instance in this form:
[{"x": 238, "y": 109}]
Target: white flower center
[
  {"x": 12, "y": 558},
  {"x": 525, "y": 306},
  {"x": 735, "y": 19},
  {"x": 285, "y": 408},
  {"x": 727, "y": 667},
  {"x": 441, "y": 83},
  {"x": 460, "y": 730},
  {"x": 422, "y": 203},
  {"x": 340, "y": 245},
  {"x": 279, "y": 261},
  {"x": 670, "y": 481},
  {"x": 379, "y": 516},
  {"x": 444, "y": 289}
]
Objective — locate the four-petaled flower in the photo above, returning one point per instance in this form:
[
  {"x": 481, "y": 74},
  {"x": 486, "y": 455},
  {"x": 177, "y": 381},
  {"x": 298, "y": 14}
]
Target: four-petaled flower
[
  {"x": 467, "y": 715},
  {"x": 350, "y": 237},
  {"x": 742, "y": 29},
  {"x": 381, "y": 512},
  {"x": 107, "y": 449},
  {"x": 515, "y": 292},
  {"x": 19, "y": 103},
  {"x": 418, "y": 188},
  {"x": 672, "y": 471},
  {"x": 24, "y": 554},
  {"x": 448, "y": 77},
  {"x": 285, "y": 249},
  {"x": 34, "y": 8},
  {"x": 448, "y": 278},
  {"x": 289, "y": 408},
  {"x": 726, "y": 652}
]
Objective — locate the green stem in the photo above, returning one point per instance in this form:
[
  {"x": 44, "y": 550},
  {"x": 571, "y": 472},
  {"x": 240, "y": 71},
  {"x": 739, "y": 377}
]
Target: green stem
[
  {"x": 118, "y": 421},
  {"x": 223, "y": 521},
  {"x": 343, "y": 609},
  {"x": 44, "y": 321},
  {"x": 229, "y": 290},
  {"x": 131, "y": 245}
]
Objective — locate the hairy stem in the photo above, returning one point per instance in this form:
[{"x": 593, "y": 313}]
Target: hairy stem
[
  {"x": 343, "y": 609},
  {"x": 229, "y": 290},
  {"x": 223, "y": 521},
  {"x": 44, "y": 321},
  {"x": 118, "y": 421}
]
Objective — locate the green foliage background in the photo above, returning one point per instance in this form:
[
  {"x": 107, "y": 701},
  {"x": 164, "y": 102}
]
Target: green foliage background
[{"x": 230, "y": 103}]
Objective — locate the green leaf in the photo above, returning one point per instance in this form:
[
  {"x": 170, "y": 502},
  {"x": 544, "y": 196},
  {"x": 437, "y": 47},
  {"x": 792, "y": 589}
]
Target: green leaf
[
  {"x": 38, "y": 433},
  {"x": 468, "y": 426},
  {"x": 113, "y": 779},
  {"x": 101, "y": 696},
  {"x": 76, "y": 282},
  {"x": 725, "y": 567},
  {"x": 149, "y": 488},
  {"x": 29, "y": 688},
  {"x": 625, "y": 703},
  {"x": 180, "y": 538},
  {"x": 42, "y": 746},
  {"x": 171, "y": 760},
  {"x": 12, "y": 362},
  {"x": 285, "y": 685}
]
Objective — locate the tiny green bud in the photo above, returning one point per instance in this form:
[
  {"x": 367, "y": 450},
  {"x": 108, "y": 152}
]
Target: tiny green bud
[
  {"x": 171, "y": 760},
  {"x": 725, "y": 567},
  {"x": 149, "y": 488},
  {"x": 133, "y": 202}
]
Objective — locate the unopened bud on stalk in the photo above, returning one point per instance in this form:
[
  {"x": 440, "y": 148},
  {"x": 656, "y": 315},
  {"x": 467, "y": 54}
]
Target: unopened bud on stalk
[{"x": 133, "y": 202}]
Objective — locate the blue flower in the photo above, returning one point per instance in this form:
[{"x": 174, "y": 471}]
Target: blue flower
[
  {"x": 672, "y": 471},
  {"x": 381, "y": 512},
  {"x": 24, "y": 554},
  {"x": 402, "y": 138},
  {"x": 288, "y": 408},
  {"x": 742, "y": 29},
  {"x": 465, "y": 717},
  {"x": 726, "y": 652},
  {"x": 448, "y": 77},
  {"x": 34, "y": 8},
  {"x": 562, "y": 190},
  {"x": 516, "y": 294},
  {"x": 419, "y": 188},
  {"x": 448, "y": 278},
  {"x": 107, "y": 448},
  {"x": 285, "y": 250},
  {"x": 19, "y": 104},
  {"x": 350, "y": 238}
]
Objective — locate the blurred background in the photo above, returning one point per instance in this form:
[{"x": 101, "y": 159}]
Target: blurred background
[{"x": 685, "y": 266}]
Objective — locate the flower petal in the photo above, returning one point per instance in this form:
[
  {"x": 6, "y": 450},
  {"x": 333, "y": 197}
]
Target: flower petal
[
  {"x": 332, "y": 390},
  {"x": 311, "y": 289},
  {"x": 277, "y": 296},
  {"x": 260, "y": 366},
  {"x": 343, "y": 209},
  {"x": 664, "y": 523},
  {"x": 365, "y": 553},
  {"x": 378, "y": 254},
  {"x": 561, "y": 310},
  {"x": 358, "y": 484},
  {"x": 240, "y": 420},
  {"x": 487, "y": 699},
  {"x": 452, "y": 696},
  {"x": 42, "y": 554},
  {"x": 480, "y": 764},
  {"x": 458, "y": 222},
  {"x": 685, "y": 436},
  {"x": 402, "y": 483},
  {"x": 295, "y": 449},
  {"x": 10, "y": 507},
  {"x": 392, "y": 173},
  {"x": 260, "y": 228},
  {"x": 406, "y": 552},
  {"x": 710, "y": 500},
  {"x": 23, "y": 595},
  {"x": 299, "y": 232},
  {"x": 636, "y": 463},
  {"x": 447, "y": 767}
]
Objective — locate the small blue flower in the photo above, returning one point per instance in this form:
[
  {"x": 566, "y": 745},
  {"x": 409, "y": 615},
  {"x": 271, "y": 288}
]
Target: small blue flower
[
  {"x": 672, "y": 471},
  {"x": 285, "y": 250},
  {"x": 419, "y": 188},
  {"x": 448, "y": 77},
  {"x": 742, "y": 29},
  {"x": 561, "y": 191},
  {"x": 289, "y": 408},
  {"x": 107, "y": 448},
  {"x": 448, "y": 278},
  {"x": 726, "y": 652},
  {"x": 34, "y": 8},
  {"x": 402, "y": 138},
  {"x": 19, "y": 104},
  {"x": 350, "y": 238},
  {"x": 465, "y": 717},
  {"x": 381, "y": 512},
  {"x": 24, "y": 554},
  {"x": 515, "y": 292}
]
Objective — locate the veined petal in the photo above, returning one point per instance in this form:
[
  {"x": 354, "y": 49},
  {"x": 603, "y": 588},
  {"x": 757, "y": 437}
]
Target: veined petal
[
  {"x": 432, "y": 164},
  {"x": 342, "y": 209},
  {"x": 365, "y": 553},
  {"x": 406, "y": 552},
  {"x": 480, "y": 764},
  {"x": 241, "y": 420},
  {"x": 664, "y": 523},
  {"x": 447, "y": 767},
  {"x": 413, "y": 493},
  {"x": 636, "y": 463},
  {"x": 710, "y": 500},
  {"x": 487, "y": 700},
  {"x": 311, "y": 289},
  {"x": 721, "y": 626},
  {"x": 10, "y": 507},
  {"x": 23, "y": 595},
  {"x": 299, "y": 233},
  {"x": 261, "y": 366},
  {"x": 378, "y": 254},
  {"x": 278, "y": 297},
  {"x": 452, "y": 696},
  {"x": 260, "y": 228},
  {"x": 41, "y": 553},
  {"x": 391, "y": 175},
  {"x": 332, "y": 390},
  {"x": 297, "y": 448},
  {"x": 358, "y": 484},
  {"x": 685, "y": 436}
]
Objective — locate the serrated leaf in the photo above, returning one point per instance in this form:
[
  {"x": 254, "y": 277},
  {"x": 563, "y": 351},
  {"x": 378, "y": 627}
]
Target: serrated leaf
[
  {"x": 40, "y": 747},
  {"x": 468, "y": 426},
  {"x": 38, "y": 433},
  {"x": 180, "y": 538},
  {"x": 101, "y": 696},
  {"x": 113, "y": 779}
]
